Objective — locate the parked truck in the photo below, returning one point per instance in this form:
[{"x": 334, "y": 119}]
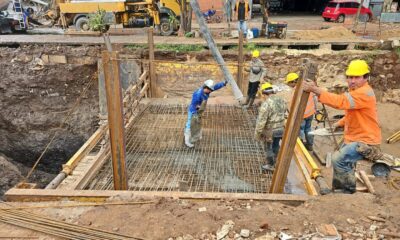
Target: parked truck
[{"x": 163, "y": 14}]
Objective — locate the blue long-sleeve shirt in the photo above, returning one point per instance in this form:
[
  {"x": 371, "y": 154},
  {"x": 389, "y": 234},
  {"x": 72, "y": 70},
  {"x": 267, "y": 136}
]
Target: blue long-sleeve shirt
[{"x": 199, "y": 96}]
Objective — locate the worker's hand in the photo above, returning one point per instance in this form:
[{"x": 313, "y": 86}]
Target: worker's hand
[
  {"x": 310, "y": 86},
  {"x": 225, "y": 82},
  {"x": 335, "y": 127},
  {"x": 259, "y": 136}
]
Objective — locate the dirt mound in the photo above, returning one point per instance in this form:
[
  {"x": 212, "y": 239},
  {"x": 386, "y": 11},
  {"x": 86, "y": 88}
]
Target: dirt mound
[
  {"x": 10, "y": 175},
  {"x": 392, "y": 33},
  {"x": 330, "y": 33}
]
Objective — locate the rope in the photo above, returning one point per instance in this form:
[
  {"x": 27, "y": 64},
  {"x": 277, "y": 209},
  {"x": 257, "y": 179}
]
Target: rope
[{"x": 86, "y": 88}]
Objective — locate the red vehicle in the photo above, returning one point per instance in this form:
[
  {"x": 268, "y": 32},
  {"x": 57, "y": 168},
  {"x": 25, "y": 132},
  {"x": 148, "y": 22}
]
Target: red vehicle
[{"x": 339, "y": 10}]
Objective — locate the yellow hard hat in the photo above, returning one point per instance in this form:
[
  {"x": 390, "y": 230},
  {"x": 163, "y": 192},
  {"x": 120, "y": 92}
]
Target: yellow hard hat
[
  {"x": 255, "y": 53},
  {"x": 357, "y": 68},
  {"x": 291, "y": 77},
  {"x": 265, "y": 86}
]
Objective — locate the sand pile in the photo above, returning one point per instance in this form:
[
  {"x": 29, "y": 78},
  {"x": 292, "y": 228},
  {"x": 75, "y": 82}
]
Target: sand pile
[{"x": 330, "y": 33}]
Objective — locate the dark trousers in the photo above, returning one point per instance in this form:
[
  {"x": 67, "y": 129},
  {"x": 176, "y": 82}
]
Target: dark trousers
[
  {"x": 252, "y": 90},
  {"x": 272, "y": 148}
]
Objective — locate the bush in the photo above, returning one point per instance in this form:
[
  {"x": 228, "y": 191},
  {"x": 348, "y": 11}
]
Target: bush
[{"x": 97, "y": 21}]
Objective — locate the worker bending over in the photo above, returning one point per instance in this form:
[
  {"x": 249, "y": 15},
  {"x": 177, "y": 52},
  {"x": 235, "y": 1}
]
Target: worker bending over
[
  {"x": 270, "y": 124},
  {"x": 196, "y": 108},
  {"x": 305, "y": 127},
  {"x": 362, "y": 134},
  {"x": 257, "y": 72}
]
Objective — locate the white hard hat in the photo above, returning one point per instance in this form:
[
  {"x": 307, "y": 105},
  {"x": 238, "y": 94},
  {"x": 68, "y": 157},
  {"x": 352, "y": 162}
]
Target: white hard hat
[{"x": 209, "y": 84}]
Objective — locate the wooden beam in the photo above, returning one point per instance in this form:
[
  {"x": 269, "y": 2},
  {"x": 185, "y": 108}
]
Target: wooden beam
[
  {"x": 84, "y": 150},
  {"x": 240, "y": 81},
  {"x": 115, "y": 118},
  {"x": 34, "y": 195},
  {"x": 367, "y": 183},
  {"x": 153, "y": 80},
  {"x": 292, "y": 127}
]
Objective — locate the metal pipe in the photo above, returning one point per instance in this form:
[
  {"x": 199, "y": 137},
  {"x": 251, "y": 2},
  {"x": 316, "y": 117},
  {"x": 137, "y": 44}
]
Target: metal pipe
[{"x": 56, "y": 181}]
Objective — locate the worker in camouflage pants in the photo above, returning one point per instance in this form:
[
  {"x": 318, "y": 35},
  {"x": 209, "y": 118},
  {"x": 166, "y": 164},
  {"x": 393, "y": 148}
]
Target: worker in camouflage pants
[{"x": 270, "y": 124}]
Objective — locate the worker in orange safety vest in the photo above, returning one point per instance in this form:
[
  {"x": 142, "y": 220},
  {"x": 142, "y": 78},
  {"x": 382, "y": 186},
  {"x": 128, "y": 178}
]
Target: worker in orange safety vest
[
  {"x": 305, "y": 127},
  {"x": 360, "y": 122}
]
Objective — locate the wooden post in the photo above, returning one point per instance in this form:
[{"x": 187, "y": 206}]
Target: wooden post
[
  {"x": 292, "y": 127},
  {"x": 241, "y": 84},
  {"x": 115, "y": 118},
  {"x": 153, "y": 80},
  {"x": 357, "y": 15}
]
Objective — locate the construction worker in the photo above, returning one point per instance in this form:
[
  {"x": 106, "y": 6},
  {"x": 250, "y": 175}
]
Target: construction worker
[
  {"x": 305, "y": 127},
  {"x": 362, "y": 134},
  {"x": 270, "y": 124},
  {"x": 257, "y": 72},
  {"x": 196, "y": 108},
  {"x": 242, "y": 11}
]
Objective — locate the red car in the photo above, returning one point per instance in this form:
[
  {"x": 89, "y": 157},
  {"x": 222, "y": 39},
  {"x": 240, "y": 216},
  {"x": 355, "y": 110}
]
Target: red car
[{"x": 339, "y": 10}]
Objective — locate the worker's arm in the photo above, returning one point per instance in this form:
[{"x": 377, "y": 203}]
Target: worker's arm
[
  {"x": 196, "y": 101},
  {"x": 263, "y": 69},
  {"x": 220, "y": 85},
  {"x": 340, "y": 123},
  {"x": 354, "y": 100},
  {"x": 261, "y": 121}
]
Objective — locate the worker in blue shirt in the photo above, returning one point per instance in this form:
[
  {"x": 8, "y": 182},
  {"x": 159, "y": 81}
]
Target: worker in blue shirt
[{"x": 196, "y": 108}]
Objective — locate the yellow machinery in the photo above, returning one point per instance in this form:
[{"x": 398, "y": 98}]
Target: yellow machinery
[{"x": 129, "y": 13}]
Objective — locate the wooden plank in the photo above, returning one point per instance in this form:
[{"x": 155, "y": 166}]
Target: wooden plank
[
  {"x": 84, "y": 150},
  {"x": 292, "y": 128},
  {"x": 153, "y": 80},
  {"x": 34, "y": 195},
  {"x": 115, "y": 118},
  {"x": 92, "y": 170},
  {"x": 301, "y": 163},
  {"x": 367, "y": 183},
  {"x": 240, "y": 81}
]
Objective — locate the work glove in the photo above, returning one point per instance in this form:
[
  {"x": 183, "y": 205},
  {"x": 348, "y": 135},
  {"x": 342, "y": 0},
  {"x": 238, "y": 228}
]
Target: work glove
[{"x": 225, "y": 82}]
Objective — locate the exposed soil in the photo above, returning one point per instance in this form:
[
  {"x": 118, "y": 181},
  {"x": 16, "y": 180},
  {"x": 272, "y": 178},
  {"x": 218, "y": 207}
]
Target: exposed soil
[
  {"x": 35, "y": 100},
  {"x": 330, "y": 33}
]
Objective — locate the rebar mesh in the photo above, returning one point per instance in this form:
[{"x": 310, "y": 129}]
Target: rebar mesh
[{"x": 226, "y": 159}]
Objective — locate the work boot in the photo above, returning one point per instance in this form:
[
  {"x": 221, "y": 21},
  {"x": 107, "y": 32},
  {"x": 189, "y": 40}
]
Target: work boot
[
  {"x": 268, "y": 167},
  {"x": 251, "y": 102},
  {"x": 187, "y": 139},
  {"x": 309, "y": 147},
  {"x": 246, "y": 102}
]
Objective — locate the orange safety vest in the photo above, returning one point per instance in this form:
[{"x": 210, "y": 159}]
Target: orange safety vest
[
  {"x": 361, "y": 118},
  {"x": 246, "y": 9},
  {"x": 310, "y": 108}
]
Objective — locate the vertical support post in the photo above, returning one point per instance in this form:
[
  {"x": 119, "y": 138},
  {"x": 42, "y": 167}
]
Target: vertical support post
[
  {"x": 358, "y": 15},
  {"x": 152, "y": 71},
  {"x": 115, "y": 118},
  {"x": 102, "y": 92},
  {"x": 292, "y": 127},
  {"x": 240, "y": 64}
]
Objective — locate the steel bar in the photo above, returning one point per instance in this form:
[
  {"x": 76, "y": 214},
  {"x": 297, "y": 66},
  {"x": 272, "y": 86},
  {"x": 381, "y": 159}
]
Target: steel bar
[{"x": 226, "y": 159}]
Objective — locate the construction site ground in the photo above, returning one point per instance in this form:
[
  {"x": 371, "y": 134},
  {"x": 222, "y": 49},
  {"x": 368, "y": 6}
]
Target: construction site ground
[
  {"x": 353, "y": 215},
  {"x": 35, "y": 99}
]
